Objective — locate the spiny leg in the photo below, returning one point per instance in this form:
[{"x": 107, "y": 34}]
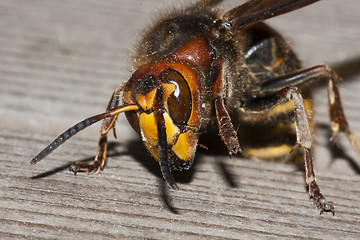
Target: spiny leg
[
  {"x": 98, "y": 162},
  {"x": 304, "y": 142},
  {"x": 107, "y": 124},
  {"x": 338, "y": 122},
  {"x": 226, "y": 128}
]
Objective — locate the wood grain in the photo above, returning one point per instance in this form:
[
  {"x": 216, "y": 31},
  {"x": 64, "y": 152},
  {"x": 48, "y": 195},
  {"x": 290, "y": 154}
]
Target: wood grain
[{"x": 60, "y": 62}]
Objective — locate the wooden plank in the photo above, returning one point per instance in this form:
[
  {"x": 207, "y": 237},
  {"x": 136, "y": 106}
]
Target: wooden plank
[{"x": 60, "y": 62}]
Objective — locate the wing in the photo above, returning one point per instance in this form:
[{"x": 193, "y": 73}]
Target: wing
[{"x": 258, "y": 10}]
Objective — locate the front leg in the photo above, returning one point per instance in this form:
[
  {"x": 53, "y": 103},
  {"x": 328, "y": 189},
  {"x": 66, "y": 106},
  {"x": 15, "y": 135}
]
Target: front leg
[
  {"x": 226, "y": 128},
  {"x": 108, "y": 124}
]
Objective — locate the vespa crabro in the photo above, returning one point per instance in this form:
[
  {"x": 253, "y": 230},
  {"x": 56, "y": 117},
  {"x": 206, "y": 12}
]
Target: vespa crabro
[{"x": 198, "y": 69}]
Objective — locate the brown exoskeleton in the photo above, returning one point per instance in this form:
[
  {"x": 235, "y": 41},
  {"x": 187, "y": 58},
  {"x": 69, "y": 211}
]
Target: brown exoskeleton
[{"x": 198, "y": 67}]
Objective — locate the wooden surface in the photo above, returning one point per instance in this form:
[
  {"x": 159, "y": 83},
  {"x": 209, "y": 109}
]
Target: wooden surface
[{"x": 60, "y": 62}]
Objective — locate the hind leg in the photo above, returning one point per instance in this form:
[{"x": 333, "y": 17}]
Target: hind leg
[{"x": 338, "y": 122}]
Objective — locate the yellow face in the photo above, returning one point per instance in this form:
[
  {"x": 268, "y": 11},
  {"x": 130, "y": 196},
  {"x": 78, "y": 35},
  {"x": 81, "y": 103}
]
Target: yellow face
[
  {"x": 181, "y": 144},
  {"x": 180, "y": 112}
]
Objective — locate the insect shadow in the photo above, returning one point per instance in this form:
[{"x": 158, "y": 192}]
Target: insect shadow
[
  {"x": 111, "y": 150},
  {"x": 136, "y": 150},
  {"x": 336, "y": 149},
  {"x": 348, "y": 69},
  {"x": 212, "y": 145}
]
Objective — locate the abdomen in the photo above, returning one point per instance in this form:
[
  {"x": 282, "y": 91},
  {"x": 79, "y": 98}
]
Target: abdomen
[{"x": 266, "y": 129}]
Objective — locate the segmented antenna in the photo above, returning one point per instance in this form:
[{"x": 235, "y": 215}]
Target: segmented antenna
[
  {"x": 80, "y": 126},
  {"x": 66, "y": 135},
  {"x": 163, "y": 156},
  {"x": 162, "y": 141}
]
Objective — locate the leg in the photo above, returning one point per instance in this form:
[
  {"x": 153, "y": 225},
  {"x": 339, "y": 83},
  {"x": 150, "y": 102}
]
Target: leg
[
  {"x": 226, "y": 128},
  {"x": 338, "y": 120},
  {"x": 296, "y": 115},
  {"x": 285, "y": 88},
  {"x": 100, "y": 158},
  {"x": 304, "y": 142}
]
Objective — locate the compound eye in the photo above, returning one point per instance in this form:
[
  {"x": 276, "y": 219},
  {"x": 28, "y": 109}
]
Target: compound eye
[{"x": 179, "y": 101}]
